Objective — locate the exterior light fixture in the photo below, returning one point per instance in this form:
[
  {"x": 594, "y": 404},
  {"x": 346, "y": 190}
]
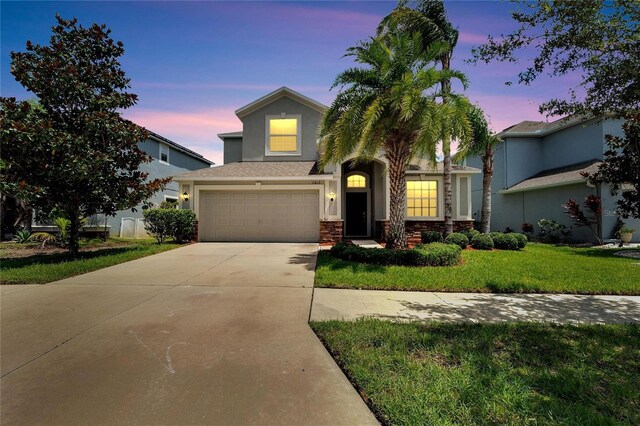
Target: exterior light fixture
[
  {"x": 332, "y": 195},
  {"x": 185, "y": 196}
]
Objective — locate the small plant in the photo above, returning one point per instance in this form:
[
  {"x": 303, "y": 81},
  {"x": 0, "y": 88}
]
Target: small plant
[
  {"x": 593, "y": 205},
  {"x": 527, "y": 228},
  {"x": 482, "y": 242},
  {"x": 458, "y": 239},
  {"x": 552, "y": 231},
  {"x": 522, "y": 240},
  {"x": 63, "y": 230},
  {"x": 626, "y": 230},
  {"x": 45, "y": 238},
  {"x": 22, "y": 236},
  {"x": 432, "y": 237},
  {"x": 504, "y": 241}
]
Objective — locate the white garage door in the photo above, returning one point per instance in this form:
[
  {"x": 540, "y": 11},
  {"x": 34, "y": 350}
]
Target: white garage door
[{"x": 279, "y": 216}]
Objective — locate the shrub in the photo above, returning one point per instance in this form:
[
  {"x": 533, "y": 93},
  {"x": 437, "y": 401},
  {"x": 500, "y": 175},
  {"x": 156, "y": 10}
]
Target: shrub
[
  {"x": 458, "y": 239},
  {"x": 470, "y": 233},
  {"x": 527, "y": 228},
  {"x": 165, "y": 223},
  {"x": 432, "y": 237},
  {"x": 504, "y": 241},
  {"x": 521, "y": 238},
  {"x": 62, "y": 224},
  {"x": 45, "y": 238},
  {"x": 482, "y": 242},
  {"x": 434, "y": 254},
  {"x": 552, "y": 231},
  {"x": 22, "y": 236}
]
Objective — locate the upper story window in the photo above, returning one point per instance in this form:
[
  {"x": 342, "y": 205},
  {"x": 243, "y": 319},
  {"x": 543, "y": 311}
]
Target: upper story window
[
  {"x": 422, "y": 198},
  {"x": 164, "y": 153},
  {"x": 356, "y": 181},
  {"x": 283, "y": 134}
]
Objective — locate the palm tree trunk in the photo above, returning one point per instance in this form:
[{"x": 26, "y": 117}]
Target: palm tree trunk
[
  {"x": 398, "y": 156},
  {"x": 487, "y": 176},
  {"x": 446, "y": 151}
]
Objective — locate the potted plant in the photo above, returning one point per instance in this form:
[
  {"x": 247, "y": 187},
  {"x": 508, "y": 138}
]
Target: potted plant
[{"x": 626, "y": 234}]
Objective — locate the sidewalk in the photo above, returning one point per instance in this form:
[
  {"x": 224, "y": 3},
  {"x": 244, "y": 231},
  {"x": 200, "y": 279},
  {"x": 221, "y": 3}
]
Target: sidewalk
[{"x": 473, "y": 307}]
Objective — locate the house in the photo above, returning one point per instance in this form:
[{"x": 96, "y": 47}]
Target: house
[
  {"x": 538, "y": 167},
  {"x": 169, "y": 159},
  {"x": 270, "y": 187}
]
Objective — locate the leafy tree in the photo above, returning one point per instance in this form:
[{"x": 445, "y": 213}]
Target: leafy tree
[
  {"x": 600, "y": 39},
  {"x": 484, "y": 144},
  {"x": 429, "y": 19},
  {"x": 621, "y": 168},
  {"x": 75, "y": 154},
  {"x": 389, "y": 106}
]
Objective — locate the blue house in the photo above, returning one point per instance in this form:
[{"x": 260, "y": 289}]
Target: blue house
[{"x": 538, "y": 167}]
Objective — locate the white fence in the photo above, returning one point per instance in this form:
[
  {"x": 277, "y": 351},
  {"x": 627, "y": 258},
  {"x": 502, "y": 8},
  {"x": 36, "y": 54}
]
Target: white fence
[{"x": 131, "y": 227}]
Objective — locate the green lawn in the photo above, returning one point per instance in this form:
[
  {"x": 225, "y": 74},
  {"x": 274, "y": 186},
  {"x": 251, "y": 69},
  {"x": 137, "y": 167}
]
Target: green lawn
[
  {"x": 539, "y": 268},
  {"x": 44, "y": 268},
  {"x": 435, "y": 374}
]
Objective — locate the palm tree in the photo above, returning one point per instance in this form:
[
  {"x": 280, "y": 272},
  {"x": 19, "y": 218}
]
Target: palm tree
[
  {"x": 483, "y": 144},
  {"x": 429, "y": 19},
  {"x": 389, "y": 107}
]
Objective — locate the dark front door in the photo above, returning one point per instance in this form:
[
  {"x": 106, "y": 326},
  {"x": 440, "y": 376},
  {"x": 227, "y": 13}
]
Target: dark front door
[{"x": 357, "y": 214}]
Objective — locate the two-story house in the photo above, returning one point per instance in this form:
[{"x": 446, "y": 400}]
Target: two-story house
[
  {"x": 538, "y": 167},
  {"x": 270, "y": 187}
]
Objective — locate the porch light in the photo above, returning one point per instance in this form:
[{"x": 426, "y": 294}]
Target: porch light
[
  {"x": 185, "y": 196},
  {"x": 332, "y": 195}
]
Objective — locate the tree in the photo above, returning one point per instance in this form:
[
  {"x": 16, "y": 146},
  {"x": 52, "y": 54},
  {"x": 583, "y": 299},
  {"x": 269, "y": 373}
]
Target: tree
[
  {"x": 389, "y": 106},
  {"x": 429, "y": 20},
  {"x": 600, "y": 39},
  {"x": 621, "y": 168},
  {"x": 484, "y": 144},
  {"x": 75, "y": 154}
]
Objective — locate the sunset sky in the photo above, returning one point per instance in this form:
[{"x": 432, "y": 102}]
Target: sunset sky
[{"x": 193, "y": 63}]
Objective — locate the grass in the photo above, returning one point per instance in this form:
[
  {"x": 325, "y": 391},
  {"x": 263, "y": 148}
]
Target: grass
[
  {"x": 538, "y": 374},
  {"x": 539, "y": 268},
  {"x": 43, "y": 268}
]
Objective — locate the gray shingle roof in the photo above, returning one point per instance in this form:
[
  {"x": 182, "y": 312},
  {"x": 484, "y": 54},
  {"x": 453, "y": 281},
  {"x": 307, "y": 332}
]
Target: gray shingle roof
[
  {"x": 257, "y": 169},
  {"x": 557, "y": 177},
  {"x": 540, "y": 128}
]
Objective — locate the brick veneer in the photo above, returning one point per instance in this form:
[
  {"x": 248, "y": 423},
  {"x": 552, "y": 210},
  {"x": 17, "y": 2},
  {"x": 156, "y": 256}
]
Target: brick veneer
[
  {"x": 330, "y": 231},
  {"x": 416, "y": 227}
]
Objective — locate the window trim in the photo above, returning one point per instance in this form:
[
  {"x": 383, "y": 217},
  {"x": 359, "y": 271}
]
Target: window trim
[
  {"x": 439, "y": 195},
  {"x": 267, "y": 131},
  {"x": 161, "y": 145}
]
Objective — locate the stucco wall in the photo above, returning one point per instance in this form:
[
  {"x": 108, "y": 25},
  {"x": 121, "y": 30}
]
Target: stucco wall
[
  {"x": 232, "y": 150},
  {"x": 254, "y": 137},
  {"x": 582, "y": 142}
]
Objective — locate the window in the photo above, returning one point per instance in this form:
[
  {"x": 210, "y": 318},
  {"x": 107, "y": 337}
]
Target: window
[
  {"x": 356, "y": 181},
  {"x": 170, "y": 201},
  {"x": 422, "y": 198},
  {"x": 283, "y": 135},
  {"x": 164, "y": 153}
]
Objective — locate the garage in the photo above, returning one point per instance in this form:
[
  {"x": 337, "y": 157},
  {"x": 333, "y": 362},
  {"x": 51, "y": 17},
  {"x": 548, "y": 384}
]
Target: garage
[{"x": 265, "y": 216}]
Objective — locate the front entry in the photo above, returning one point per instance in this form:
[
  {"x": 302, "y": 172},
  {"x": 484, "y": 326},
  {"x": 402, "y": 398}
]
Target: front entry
[{"x": 356, "y": 214}]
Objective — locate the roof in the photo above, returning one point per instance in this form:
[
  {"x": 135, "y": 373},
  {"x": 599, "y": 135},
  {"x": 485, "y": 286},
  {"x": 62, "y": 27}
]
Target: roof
[
  {"x": 277, "y": 94},
  {"x": 556, "y": 177},
  {"x": 179, "y": 147},
  {"x": 542, "y": 128},
  {"x": 237, "y": 134},
  {"x": 257, "y": 169}
]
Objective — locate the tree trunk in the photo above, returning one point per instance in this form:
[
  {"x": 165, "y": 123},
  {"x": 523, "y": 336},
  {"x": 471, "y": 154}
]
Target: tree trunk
[
  {"x": 446, "y": 151},
  {"x": 487, "y": 176},
  {"x": 398, "y": 155},
  {"x": 74, "y": 230}
]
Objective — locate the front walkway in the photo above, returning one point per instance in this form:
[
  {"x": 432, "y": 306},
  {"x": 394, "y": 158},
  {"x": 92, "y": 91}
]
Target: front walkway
[
  {"x": 473, "y": 307},
  {"x": 205, "y": 334}
]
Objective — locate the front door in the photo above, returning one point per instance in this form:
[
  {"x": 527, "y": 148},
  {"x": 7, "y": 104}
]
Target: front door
[{"x": 357, "y": 221}]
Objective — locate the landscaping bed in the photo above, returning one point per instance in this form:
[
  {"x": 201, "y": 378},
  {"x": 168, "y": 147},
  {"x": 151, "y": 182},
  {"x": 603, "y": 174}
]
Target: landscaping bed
[
  {"x": 539, "y": 268},
  {"x": 434, "y": 373},
  {"x": 32, "y": 264}
]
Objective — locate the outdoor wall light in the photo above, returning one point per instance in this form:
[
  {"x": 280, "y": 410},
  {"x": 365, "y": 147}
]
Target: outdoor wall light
[
  {"x": 185, "y": 196},
  {"x": 332, "y": 195}
]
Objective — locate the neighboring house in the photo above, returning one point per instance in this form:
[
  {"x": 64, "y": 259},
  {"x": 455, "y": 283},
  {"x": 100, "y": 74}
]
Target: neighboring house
[
  {"x": 271, "y": 189},
  {"x": 169, "y": 159},
  {"x": 537, "y": 169}
]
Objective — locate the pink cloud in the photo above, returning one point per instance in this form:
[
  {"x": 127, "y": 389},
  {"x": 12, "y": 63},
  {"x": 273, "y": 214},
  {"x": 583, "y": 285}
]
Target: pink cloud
[
  {"x": 503, "y": 111},
  {"x": 195, "y": 130},
  {"x": 471, "y": 38},
  {"x": 226, "y": 86}
]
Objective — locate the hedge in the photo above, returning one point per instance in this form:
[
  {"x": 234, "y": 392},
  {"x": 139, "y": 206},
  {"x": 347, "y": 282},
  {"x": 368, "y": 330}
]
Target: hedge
[
  {"x": 432, "y": 237},
  {"x": 458, "y": 239},
  {"x": 180, "y": 225},
  {"x": 522, "y": 239},
  {"x": 434, "y": 254},
  {"x": 504, "y": 241},
  {"x": 482, "y": 242}
]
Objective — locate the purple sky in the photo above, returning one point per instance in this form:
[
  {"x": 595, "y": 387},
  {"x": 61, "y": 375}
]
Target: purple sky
[{"x": 193, "y": 63}]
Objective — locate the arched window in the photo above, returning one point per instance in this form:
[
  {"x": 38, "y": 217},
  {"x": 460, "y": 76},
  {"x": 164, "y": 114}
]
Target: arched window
[{"x": 356, "y": 181}]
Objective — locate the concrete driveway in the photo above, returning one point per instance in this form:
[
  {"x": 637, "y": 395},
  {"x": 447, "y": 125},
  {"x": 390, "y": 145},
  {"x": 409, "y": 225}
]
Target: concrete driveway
[{"x": 205, "y": 334}]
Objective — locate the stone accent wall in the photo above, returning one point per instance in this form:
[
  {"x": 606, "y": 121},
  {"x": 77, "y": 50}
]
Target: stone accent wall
[
  {"x": 416, "y": 227},
  {"x": 330, "y": 231}
]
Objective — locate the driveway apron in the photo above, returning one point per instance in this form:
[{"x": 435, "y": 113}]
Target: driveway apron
[{"x": 206, "y": 334}]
